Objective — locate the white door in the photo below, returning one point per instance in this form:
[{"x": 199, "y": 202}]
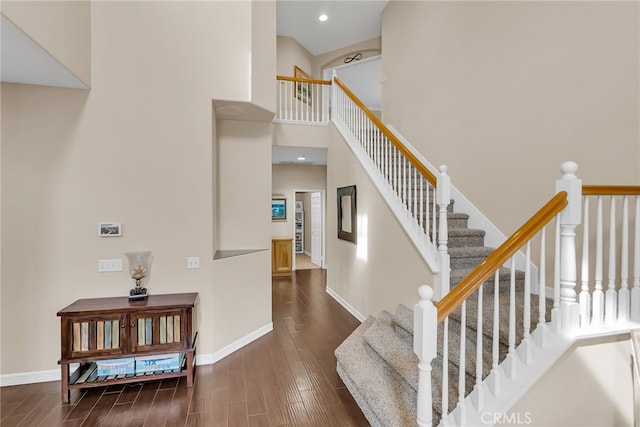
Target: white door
[{"x": 316, "y": 228}]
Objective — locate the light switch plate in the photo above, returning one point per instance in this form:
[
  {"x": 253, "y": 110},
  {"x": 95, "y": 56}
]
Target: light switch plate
[
  {"x": 107, "y": 265},
  {"x": 193, "y": 262}
]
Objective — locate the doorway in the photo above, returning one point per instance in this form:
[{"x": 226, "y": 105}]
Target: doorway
[{"x": 309, "y": 229}]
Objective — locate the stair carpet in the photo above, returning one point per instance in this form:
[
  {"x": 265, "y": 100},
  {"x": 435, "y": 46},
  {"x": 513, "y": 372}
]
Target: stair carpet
[{"x": 377, "y": 362}]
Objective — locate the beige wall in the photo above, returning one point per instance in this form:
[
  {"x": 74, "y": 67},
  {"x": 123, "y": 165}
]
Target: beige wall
[
  {"x": 244, "y": 153},
  {"x": 590, "y": 386},
  {"x": 384, "y": 269},
  {"x": 263, "y": 54},
  {"x": 137, "y": 148},
  {"x": 291, "y": 53},
  {"x": 471, "y": 84},
  {"x": 367, "y": 48},
  {"x": 62, "y": 28}
]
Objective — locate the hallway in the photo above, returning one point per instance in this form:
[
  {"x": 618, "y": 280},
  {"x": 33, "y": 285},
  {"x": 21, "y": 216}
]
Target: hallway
[{"x": 287, "y": 377}]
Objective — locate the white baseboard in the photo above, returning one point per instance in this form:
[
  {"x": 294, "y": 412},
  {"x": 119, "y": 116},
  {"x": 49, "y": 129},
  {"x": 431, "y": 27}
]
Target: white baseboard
[
  {"x": 346, "y": 305},
  {"x": 201, "y": 359},
  {"x": 208, "y": 359},
  {"x": 29, "y": 377}
]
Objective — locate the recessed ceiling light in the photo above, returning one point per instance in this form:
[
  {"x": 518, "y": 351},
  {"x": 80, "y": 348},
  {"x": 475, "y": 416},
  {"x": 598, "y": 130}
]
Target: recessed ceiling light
[
  {"x": 301, "y": 158},
  {"x": 323, "y": 17}
]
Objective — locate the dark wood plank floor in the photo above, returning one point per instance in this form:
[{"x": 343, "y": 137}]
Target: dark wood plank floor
[{"x": 287, "y": 377}]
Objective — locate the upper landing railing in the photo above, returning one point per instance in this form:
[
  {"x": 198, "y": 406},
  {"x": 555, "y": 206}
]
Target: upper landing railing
[
  {"x": 418, "y": 196},
  {"x": 303, "y": 100}
]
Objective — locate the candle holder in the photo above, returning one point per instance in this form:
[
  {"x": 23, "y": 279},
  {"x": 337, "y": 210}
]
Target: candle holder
[{"x": 138, "y": 269}]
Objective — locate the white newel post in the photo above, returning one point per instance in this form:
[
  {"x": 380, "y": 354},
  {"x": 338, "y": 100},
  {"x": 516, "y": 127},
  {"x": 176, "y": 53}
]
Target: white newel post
[
  {"x": 334, "y": 94},
  {"x": 425, "y": 326},
  {"x": 570, "y": 217},
  {"x": 443, "y": 198}
]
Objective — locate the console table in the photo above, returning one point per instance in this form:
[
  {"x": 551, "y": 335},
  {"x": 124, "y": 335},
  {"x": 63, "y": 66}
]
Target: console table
[{"x": 99, "y": 329}]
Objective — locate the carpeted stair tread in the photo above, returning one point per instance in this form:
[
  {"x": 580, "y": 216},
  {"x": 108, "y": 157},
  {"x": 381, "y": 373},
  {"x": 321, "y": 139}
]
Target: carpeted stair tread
[
  {"x": 504, "y": 276},
  {"x": 403, "y": 319},
  {"x": 390, "y": 401},
  {"x": 503, "y": 302},
  {"x": 396, "y": 352}
]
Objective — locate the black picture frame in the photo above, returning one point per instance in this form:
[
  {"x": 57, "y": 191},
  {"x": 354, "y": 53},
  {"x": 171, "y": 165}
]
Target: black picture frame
[{"x": 347, "y": 213}]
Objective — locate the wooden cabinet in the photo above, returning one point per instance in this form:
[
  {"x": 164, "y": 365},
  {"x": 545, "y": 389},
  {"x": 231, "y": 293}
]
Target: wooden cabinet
[
  {"x": 281, "y": 256},
  {"x": 93, "y": 330}
]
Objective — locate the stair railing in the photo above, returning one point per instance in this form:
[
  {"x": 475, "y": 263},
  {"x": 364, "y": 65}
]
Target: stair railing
[
  {"x": 635, "y": 372},
  {"x": 303, "y": 100},
  {"x": 527, "y": 327},
  {"x": 424, "y": 197}
]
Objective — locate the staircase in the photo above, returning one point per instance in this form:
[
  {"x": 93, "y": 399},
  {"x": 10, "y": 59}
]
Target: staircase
[{"x": 377, "y": 362}]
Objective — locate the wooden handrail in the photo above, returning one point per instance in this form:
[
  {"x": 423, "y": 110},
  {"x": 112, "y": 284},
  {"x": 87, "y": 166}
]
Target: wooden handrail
[
  {"x": 610, "y": 190},
  {"x": 481, "y": 273},
  {"x": 298, "y": 79},
  {"x": 394, "y": 140}
]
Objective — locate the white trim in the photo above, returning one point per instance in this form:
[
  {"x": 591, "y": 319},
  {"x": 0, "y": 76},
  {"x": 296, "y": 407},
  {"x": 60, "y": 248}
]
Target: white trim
[
  {"x": 208, "y": 359},
  {"x": 29, "y": 377},
  {"x": 201, "y": 359},
  {"x": 427, "y": 250},
  {"x": 355, "y": 313}
]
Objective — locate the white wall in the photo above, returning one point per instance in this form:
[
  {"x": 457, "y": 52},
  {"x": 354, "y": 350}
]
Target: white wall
[
  {"x": 504, "y": 92},
  {"x": 590, "y": 386}
]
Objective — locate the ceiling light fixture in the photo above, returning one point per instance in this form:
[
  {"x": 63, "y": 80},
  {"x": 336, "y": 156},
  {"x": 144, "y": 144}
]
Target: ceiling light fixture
[
  {"x": 323, "y": 17},
  {"x": 301, "y": 158}
]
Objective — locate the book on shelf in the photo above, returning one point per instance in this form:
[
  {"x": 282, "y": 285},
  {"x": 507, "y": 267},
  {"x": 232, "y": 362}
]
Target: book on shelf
[
  {"x": 148, "y": 331},
  {"x": 176, "y": 328},
  {"x": 100, "y": 334},
  {"x": 85, "y": 375},
  {"x": 107, "y": 335},
  {"x": 84, "y": 336},
  {"x": 115, "y": 334},
  {"x": 163, "y": 329},
  {"x": 169, "y": 328},
  {"x": 77, "y": 345},
  {"x": 141, "y": 331}
]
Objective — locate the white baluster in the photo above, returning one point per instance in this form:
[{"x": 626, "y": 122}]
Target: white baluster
[
  {"x": 585, "y": 296},
  {"x": 479, "y": 394},
  {"x": 555, "y": 311},
  {"x": 512, "y": 322},
  {"x": 623, "y": 294},
  {"x": 462, "y": 369},
  {"x": 495, "y": 354},
  {"x": 570, "y": 217},
  {"x": 445, "y": 371},
  {"x": 635, "y": 292},
  {"x": 415, "y": 193},
  {"x": 542, "y": 292},
  {"x": 526, "y": 316},
  {"x": 443, "y": 200},
  {"x": 421, "y": 204},
  {"x": 425, "y": 346},
  {"x": 598, "y": 294},
  {"x": 611, "y": 296}
]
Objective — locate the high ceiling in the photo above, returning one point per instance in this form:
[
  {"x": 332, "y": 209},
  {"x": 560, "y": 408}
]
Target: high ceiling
[{"x": 349, "y": 22}]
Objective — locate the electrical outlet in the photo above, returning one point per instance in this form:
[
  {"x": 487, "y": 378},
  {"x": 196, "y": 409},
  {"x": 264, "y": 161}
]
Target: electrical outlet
[
  {"x": 107, "y": 265},
  {"x": 193, "y": 262}
]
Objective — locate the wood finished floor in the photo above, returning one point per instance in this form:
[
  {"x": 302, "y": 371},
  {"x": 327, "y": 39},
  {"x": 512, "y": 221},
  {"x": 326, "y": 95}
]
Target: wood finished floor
[{"x": 285, "y": 378}]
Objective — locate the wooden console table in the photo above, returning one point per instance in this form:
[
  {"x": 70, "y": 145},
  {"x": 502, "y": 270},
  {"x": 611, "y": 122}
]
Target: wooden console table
[{"x": 98, "y": 329}]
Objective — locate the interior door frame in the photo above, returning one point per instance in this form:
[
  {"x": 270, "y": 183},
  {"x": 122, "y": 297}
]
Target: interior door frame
[{"x": 323, "y": 224}]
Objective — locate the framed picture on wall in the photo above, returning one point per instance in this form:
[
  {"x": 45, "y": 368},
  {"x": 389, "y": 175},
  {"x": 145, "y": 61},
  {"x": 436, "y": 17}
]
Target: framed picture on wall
[
  {"x": 303, "y": 89},
  {"x": 278, "y": 208},
  {"x": 110, "y": 229}
]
